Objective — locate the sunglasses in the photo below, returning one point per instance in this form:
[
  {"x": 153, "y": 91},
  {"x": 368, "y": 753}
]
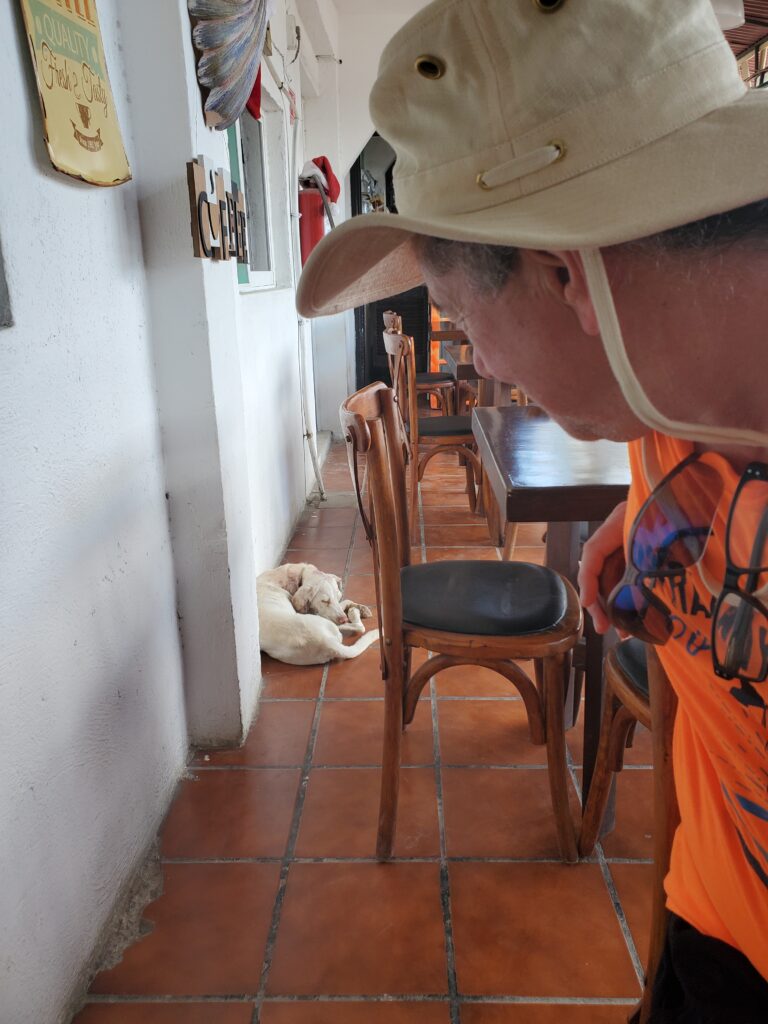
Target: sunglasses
[{"x": 669, "y": 536}]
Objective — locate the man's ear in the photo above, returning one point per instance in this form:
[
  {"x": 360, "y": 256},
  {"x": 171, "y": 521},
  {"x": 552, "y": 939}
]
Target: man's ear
[{"x": 564, "y": 278}]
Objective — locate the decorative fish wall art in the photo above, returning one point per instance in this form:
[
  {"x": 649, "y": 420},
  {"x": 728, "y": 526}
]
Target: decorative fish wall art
[{"x": 229, "y": 38}]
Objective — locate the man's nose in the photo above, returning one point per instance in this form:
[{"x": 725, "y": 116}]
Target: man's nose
[{"x": 480, "y": 366}]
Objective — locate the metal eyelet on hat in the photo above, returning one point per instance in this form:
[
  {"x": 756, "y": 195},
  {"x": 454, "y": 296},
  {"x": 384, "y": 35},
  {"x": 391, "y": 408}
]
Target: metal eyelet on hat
[
  {"x": 559, "y": 145},
  {"x": 548, "y": 6},
  {"x": 429, "y": 66}
]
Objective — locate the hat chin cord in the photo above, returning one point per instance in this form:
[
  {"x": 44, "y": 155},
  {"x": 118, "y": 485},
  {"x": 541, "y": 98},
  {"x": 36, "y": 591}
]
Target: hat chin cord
[{"x": 637, "y": 399}]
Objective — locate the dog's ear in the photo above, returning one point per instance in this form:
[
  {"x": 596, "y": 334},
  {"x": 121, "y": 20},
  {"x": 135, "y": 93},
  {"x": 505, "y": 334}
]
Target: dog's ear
[
  {"x": 339, "y": 583},
  {"x": 302, "y": 599},
  {"x": 293, "y": 575}
]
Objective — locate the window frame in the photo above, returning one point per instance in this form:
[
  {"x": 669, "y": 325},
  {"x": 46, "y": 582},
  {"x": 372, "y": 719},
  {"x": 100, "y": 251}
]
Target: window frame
[{"x": 248, "y": 279}]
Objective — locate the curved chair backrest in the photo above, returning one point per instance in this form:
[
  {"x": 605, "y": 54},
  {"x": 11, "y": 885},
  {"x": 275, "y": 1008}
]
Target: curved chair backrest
[
  {"x": 402, "y": 367},
  {"x": 373, "y": 428},
  {"x": 392, "y": 321}
]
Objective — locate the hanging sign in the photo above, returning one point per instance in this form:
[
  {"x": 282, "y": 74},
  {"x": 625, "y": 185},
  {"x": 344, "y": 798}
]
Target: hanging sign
[
  {"x": 218, "y": 217},
  {"x": 79, "y": 117}
]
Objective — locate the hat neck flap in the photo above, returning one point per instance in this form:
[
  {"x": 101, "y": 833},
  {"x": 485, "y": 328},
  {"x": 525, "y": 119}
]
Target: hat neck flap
[{"x": 637, "y": 399}]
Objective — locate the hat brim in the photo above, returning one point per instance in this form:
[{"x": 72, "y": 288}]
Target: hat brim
[{"x": 693, "y": 173}]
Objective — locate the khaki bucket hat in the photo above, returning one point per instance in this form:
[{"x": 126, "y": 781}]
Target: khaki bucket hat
[{"x": 547, "y": 124}]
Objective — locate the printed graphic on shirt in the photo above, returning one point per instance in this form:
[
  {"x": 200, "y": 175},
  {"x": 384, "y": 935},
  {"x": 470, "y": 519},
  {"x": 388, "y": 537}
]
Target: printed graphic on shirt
[{"x": 741, "y": 713}]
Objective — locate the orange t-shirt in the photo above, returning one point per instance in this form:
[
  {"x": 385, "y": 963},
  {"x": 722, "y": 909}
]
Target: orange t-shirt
[{"x": 718, "y": 878}]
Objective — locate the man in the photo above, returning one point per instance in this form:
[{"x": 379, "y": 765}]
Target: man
[{"x": 583, "y": 188}]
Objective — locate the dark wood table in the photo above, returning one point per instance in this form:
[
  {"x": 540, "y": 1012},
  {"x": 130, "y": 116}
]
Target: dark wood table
[{"x": 538, "y": 473}]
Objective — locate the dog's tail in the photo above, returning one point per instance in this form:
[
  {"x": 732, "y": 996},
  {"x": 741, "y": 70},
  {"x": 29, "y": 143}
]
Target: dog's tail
[{"x": 356, "y": 649}]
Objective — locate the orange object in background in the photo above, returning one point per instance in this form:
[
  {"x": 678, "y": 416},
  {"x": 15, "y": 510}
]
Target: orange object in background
[{"x": 311, "y": 221}]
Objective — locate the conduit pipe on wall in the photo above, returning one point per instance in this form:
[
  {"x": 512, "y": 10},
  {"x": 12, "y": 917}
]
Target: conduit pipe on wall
[{"x": 309, "y": 428}]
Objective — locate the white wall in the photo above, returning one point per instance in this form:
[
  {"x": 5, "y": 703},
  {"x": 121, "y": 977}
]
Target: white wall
[
  {"x": 365, "y": 27},
  {"x": 91, "y": 700},
  {"x": 339, "y": 125},
  {"x": 133, "y": 370}
]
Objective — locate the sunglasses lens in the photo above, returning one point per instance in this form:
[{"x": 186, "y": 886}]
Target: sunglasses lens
[
  {"x": 672, "y": 531},
  {"x": 741, "y": 638},
  {"x": 748, "y": 534},
  {"x": 633, "y": 610}
]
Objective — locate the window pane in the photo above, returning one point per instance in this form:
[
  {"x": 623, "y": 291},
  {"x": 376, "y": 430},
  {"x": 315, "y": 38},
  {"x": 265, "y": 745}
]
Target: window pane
[{"x": 255, "y": 193}]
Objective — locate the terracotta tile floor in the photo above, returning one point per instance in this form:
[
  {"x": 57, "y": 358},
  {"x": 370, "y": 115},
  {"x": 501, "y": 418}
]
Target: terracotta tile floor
[{"x": 274, "y": 909}]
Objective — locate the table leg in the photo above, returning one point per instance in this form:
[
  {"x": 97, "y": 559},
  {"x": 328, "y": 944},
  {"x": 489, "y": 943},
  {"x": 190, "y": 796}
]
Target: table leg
[
  {"x": 596, "y": 648},
  {"x": 562, "y": 555},
  {"x": 485, "y": 392}
]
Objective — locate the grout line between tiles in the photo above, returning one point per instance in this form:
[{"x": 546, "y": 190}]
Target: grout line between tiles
[
  {"x": 297, "y": 812},
  {"x": 437, "y": 859},
  {"x": 613, "y": 894},
  {"x": 287, "y": 859},
  {"x": 341, "y": 767},
  {"x": 384, "y": 997},
  {"x": 445, "y": 884}
]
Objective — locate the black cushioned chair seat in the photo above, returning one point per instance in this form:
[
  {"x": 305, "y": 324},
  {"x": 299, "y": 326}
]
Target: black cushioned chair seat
[
  {"x": 632, "y": 657},
  {"x": 440, "y": 426},
  {"x": 488, "y": 598},
  {"x": 434, "y": 378}
]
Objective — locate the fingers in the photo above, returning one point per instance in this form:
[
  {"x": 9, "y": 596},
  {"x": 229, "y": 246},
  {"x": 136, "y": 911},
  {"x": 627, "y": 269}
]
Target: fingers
[
  {"x": 599, "y": 618},
  {"x": 603, "y": 543}
]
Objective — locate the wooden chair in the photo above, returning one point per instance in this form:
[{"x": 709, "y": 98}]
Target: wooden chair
[
  {"x": 436, "y": 434},
  {"x": 481, "y": 613},
  {"x": 637, "y": 690},
  {"x": 442, "y": 385}
]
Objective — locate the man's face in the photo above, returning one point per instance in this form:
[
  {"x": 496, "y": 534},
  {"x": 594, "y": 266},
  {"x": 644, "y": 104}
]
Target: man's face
[{"x": 528, "y": 335}]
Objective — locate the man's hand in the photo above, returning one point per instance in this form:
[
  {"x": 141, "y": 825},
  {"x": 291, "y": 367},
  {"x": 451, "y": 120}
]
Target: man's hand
[{"x": 603, "y": 543}]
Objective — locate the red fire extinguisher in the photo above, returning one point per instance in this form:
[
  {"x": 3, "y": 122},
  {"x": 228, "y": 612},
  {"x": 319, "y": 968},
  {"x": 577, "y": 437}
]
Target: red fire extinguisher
[{"x": 311, "y": 220}]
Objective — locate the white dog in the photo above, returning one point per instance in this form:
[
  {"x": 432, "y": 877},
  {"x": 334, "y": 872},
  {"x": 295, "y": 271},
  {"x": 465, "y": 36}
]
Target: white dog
[{"x": 303, "y": 619}]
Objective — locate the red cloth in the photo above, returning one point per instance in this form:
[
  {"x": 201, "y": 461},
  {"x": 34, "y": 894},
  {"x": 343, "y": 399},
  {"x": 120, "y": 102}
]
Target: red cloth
[
  {"x": 334, "y": 188},
  {"x": 253, "y": 106}
]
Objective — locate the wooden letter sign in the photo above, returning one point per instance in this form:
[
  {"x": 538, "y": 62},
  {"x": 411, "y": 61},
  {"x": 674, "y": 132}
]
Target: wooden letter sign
[{"x": 218, "y": 219}]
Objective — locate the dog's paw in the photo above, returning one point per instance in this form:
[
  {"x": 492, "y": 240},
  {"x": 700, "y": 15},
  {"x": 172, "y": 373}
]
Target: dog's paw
[{"x": 352, "y": 628}]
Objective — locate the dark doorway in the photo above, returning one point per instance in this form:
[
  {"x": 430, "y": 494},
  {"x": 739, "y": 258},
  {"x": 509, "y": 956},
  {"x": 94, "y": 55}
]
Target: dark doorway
[
  {"x": 413, "y": 307},
  {"x": 371, "y": 188}
]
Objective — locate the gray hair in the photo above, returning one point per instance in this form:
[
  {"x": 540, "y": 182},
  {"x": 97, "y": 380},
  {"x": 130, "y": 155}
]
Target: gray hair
[{"x": 489, "y": 267}]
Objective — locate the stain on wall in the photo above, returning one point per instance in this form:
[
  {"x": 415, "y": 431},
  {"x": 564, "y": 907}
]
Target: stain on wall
[{"x": 6, "y": 317}]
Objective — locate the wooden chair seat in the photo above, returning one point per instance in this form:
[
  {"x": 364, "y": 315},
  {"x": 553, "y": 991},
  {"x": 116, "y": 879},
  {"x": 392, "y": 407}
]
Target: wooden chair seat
[
  {"x": 489, "y": 598},
  {"x": 442, "y": 426},
  {"x": 637, "y": 690},
  {"x": 428, "y": 378},
  {"x": 489, "y": 614}
]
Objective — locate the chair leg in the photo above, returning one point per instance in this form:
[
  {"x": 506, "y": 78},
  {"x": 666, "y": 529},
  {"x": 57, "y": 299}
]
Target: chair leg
[
  {"x": 600, "y": 787},
  {"x": 615, "y": 726},
  {"x": 390, "y": 761},
  {"x": 666, "y": 814},
  {"x": 555, "y": 674},
  {"x": 413, "y": 518}
]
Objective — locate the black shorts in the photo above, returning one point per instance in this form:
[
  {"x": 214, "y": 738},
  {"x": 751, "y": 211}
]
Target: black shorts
[{"x": 701, "y": 980}]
